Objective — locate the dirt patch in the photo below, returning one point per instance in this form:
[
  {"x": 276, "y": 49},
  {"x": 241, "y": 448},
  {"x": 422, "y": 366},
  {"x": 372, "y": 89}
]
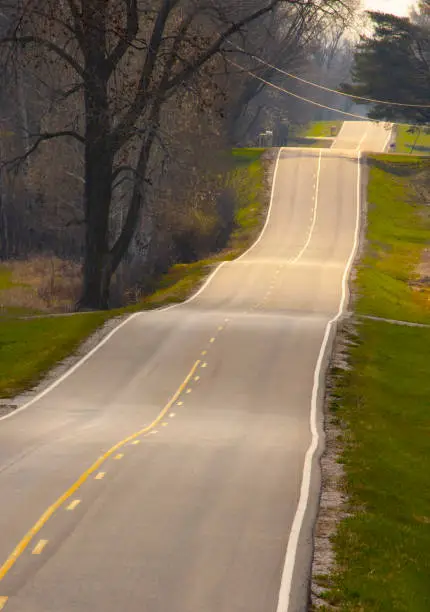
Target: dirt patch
[
  {"x": 422, "y": 188},
  {"x": 421, "y": 283},
  {"x": 7, "y": 408},
  {"x": 423, "y": 269},
  {"x": 334, "y": 501}
]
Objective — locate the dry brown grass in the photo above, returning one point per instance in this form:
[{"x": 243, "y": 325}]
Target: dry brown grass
[{"x": 42, "y": 283}]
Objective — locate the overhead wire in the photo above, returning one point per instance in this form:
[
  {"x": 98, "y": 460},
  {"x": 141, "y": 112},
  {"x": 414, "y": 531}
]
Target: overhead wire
[
  {"x": 290, "y": 93},
  {"x": 335, "y": 91}
]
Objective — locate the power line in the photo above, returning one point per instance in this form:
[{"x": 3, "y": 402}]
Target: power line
[
  {"x": 336, "y": 91},
  {"x": 290, "y": 93}
]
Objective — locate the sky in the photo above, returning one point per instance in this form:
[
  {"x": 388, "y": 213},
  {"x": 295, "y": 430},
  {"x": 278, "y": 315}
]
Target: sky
[{"x": 398, "y": 7}]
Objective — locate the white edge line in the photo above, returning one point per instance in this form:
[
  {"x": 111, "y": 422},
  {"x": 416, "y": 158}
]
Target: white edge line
[
  {"x": 221, "y": 265},
  {"x": 70, "y": 371},
  {"x": 390, "y": 134},
  {"x": 269, "y": 212},
  {"x": 293, "y": 540},
  {"x": 86, "y": 357},
  {"x": 338, "y": 135},
  {"x": 358, "y": 149},
  {"x": 314, "y": 219}
]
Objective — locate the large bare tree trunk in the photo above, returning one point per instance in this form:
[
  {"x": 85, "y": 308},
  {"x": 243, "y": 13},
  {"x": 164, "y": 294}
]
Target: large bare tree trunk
[{"x": 99, "y": 160}]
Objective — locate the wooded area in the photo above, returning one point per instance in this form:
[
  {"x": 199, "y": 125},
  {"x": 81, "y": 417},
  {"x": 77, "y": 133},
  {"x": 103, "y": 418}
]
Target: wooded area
[
  {"x": 393, "y": 65},
  {"x": 118, "y": 118}
]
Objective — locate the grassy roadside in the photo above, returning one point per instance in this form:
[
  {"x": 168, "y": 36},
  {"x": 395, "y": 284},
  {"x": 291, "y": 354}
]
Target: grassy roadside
[
  {"x": 320, "y": 129},
  {"x": 398, "y": 232},
  {"x": 30, "y": 347},
  {"x": 5, "y": 279},
  {"x": 406, "y": 140},
  {"x": 381, "y": 404}
]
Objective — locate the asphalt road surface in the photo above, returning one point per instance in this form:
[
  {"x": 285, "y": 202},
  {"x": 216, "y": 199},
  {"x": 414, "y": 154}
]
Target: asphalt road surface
[{"x": 209, "y": 505}]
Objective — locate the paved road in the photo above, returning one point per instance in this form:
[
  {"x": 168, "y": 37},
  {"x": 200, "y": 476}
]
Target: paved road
[{"x": 205, "y": 508}]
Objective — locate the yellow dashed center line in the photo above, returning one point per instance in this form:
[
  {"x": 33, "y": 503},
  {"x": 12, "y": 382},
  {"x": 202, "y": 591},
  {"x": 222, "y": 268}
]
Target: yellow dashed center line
[
  {"x": 39, "y": 547},
  {"x": 196, "y": 378},
  {"x": 49, "y": 512},
  {"x": 164, "y": 424},
  {"x": 172, "y": 414},
  {"x": 119, "y": 456},
  {"x": 220, "y": 328},
  {"x": 212, "y": 340},
  {"x": 100, "y": 475},
  {"x": 179, "y": 403},
  {"x": 188, "y": 391},
  {"x": 73, "y": 505},
  {"x": 204, "y": 353},
  {"x": 135, "y": 442},
  {"x": 3, "y": 602},
  {"x": 204, "y": 365}
]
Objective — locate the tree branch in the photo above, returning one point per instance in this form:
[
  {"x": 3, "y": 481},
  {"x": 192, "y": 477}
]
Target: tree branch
[
  {"x": 17, "y": 161},
  {"x": 120, "y": 134},
  {"x": 37, "y": 40},
  {"x": 131, "y": 30}
]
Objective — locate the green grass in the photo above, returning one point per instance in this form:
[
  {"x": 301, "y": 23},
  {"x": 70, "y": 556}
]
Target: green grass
[
  {"x": 5, "y": 278},
  {"x": 247, "y": 155},
  {"x": 30, "y": 347},
  {"x": 382, "y": 402},
  {"x": 405, "y": 141},
  {"x": 311, "y": 143},
  {"x": 397, "y": 234},
  {"x": 383, "y": 549},
  {"x": 320, "y": 129}
]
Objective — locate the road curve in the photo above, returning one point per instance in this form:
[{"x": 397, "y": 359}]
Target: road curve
[{"x": 176, "y": 468}]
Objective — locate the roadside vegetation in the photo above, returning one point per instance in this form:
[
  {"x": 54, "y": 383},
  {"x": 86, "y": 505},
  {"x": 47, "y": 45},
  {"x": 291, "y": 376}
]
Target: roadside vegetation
[
  {"x": 30, "y": 347},
  {"x": 316, "y": 134},
  {"x": 321, "y": 129},
  {"x": 389, "y": 282},
  {"x": 411, "y": 139},
  {"x": 380, "y": 402}
]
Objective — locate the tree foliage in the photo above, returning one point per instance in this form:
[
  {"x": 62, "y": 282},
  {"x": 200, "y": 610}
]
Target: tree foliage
[{"x": 393, "y": 65}]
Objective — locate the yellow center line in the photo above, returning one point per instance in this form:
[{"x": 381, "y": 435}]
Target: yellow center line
[
  {"x": 136, "y": 442},
  {"x": 73, "y": 505},
  {"x": 196, "y": 378},
  {"x": 3, "y": 602},
  {"x": 100, "y": 475},
  {"x": 188, "y": 391},
  {"x": 119, "y": 456},
  {"x": 34, "y": 530},
  {"x": 212, "y": 340},
  {"x": 204, "y": 353},
  {"x": 39, "y": 547},
  {"x": 164, "y": 424}
]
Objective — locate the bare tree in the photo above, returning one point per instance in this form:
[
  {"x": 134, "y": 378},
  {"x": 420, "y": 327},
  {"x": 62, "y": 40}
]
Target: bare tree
[{"x": 114, "y": 65}]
